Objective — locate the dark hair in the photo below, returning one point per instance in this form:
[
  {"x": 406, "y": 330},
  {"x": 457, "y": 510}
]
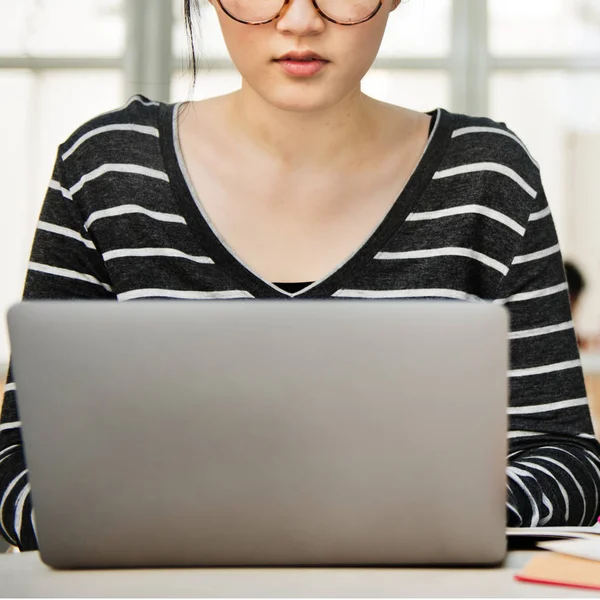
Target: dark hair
[
  {"x": 575, "y": 279},
  {"x": 191, "y": 8}
]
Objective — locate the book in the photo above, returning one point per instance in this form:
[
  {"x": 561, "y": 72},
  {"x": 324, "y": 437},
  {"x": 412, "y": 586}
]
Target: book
[
  {"x": 552, "y": 568},
  {"x": 589, "y": 549}
]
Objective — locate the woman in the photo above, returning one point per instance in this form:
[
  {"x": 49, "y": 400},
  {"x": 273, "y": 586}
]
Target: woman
[{"x": 299, "y": 186}]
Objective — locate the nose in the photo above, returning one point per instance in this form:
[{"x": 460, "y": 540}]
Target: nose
[{"x": 300, "y": 17}]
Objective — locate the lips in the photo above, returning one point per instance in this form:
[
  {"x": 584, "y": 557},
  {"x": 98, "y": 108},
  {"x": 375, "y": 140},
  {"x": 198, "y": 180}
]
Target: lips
[
  {"x": 305, "y": 56},
  {"x": 302, "y": 63},
  {"x": 302, "y": 68}
]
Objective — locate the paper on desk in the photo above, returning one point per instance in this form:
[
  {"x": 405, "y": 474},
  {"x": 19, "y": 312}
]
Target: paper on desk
[
  {"x": 589, "y": 549},
  {"x": 585, "y": 533}
]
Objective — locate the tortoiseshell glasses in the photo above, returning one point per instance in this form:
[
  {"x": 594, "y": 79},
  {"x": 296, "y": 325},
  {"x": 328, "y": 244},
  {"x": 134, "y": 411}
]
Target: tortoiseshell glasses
[{"x": 341, "y": 12}]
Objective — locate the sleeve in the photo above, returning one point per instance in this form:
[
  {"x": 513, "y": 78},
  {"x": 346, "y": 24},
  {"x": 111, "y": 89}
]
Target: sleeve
[
  {"x": 64, "y": 264},
  {"x": 553, "y": 471}
]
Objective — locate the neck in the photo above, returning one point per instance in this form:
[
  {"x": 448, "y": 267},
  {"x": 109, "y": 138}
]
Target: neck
[{"x": 339, "y": 135}]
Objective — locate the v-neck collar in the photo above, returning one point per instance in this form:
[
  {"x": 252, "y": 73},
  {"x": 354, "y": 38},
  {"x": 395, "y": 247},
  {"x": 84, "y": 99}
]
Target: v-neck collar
[{"x": 224, "y": 257}]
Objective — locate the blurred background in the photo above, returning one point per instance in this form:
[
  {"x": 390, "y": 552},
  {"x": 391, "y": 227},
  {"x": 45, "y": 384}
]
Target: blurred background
[{"x": 533, "y": 64}]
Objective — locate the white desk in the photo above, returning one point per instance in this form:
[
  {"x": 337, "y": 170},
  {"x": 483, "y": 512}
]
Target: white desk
[{"x": 24, "y": 575}]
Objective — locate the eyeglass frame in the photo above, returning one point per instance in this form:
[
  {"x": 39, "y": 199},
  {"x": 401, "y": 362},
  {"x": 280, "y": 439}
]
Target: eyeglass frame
[{"x": 314, "y": 3}]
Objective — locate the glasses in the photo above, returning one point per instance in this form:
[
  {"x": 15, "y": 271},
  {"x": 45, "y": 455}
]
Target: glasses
[{"x": 341, "y": 12}]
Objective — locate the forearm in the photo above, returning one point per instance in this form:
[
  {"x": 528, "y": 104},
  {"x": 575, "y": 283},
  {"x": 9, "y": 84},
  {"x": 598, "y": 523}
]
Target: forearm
[
  {"x": 557, "y": 483},
  {"x": 16, "y": 524}
]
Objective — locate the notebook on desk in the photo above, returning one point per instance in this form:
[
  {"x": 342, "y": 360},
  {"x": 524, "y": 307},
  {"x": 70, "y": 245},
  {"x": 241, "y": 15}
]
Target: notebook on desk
[
  {"x": 264, "y": 433},
  {"x": 570, "y": 563}
]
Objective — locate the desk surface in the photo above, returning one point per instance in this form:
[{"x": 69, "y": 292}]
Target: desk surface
[{"x": 24, "y": 575}]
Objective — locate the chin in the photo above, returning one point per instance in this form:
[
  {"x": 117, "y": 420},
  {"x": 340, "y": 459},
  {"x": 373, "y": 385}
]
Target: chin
[{"x": 302, "y": 99}]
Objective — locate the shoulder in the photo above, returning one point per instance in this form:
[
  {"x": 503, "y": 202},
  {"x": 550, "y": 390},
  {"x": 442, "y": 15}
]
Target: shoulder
[
  {"x": 494, "y": 160},
  {"x": 127, "y": 134},
  {"x": 486, "y": 134},
  {"x": 482, "y": 141}
]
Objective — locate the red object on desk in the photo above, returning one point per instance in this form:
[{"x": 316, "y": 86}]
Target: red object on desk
[{"x": 551, "y": 568}]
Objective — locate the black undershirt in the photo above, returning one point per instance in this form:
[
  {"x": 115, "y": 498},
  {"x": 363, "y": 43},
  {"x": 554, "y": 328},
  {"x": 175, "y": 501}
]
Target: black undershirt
[
  {"x": 293, "y": 286},
  {"x": 296, "y": 286}
]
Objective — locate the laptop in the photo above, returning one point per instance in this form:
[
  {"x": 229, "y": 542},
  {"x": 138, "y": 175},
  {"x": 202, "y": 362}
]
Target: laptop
[{"x": 264, "y": 433}]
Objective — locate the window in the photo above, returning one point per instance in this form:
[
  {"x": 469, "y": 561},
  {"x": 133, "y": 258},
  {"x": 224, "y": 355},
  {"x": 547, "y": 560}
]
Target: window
[
  {"x": 53, "y": 77},
  {"x": 45, "y": 28},
  {"x": 544, "y": 28},
  {"x": 544, "y": 81},
  {"x": 533, "y": 64}
]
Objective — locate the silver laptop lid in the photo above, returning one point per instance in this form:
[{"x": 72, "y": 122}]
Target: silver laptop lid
[{"x": 264, "y": 432}]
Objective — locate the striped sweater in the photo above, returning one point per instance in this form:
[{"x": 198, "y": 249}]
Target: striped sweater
[{"x": 121, "y": 221}]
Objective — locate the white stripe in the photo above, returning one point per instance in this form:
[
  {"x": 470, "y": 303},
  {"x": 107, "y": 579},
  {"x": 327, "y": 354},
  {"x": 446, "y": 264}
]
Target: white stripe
[
  {"x": 561, "y": 488},
  {"x": 51, "y": 228},
  {"x": 7, "y": 492},
  {"x": 541, "y": 408},
  {"x": 487, "y": 166},
  {"x": 595, "y": 485},
  {"x": 556, "y": 289},
  {"x": 383, "y": 294},
  {"x": 10, "y": 387},
  {"x": 184, "y": 295},
  {"x": 468, "y": 209},
  {"x": 562, "y": 366},
  {"x": 521, "y": 472},
  {"x": 586, "y": 436},
  {"x": 11, "y": 425},
  {"x": 435, "y": 252},
  {"x": 546, "y": 502},
  {"x": 518, "y": 260},
  {"x": 514, "y": 510},
  {"x": 466, "y": 130},
  {"x": 513, "y": 473},
  {"x": 139, "y": 99},
  {"x": 117, "y": 127},
  {"x": 521, "y": 434},
  {"x": 54, "y": 185},
  {"x": 597, "y": 475},
  {"x": 7, "y": 450},
  {"x": 540, "y": 215},
  {"x": 33, "y": 523},
  {"x": 68, "y": 274},
  {"x": 528, "y": 333},
  {"x": 118, "y": 168},
  {"x": 593, "y": 466},
  {"x": 559, "y": 464},
  {"x": 591, "y": 453},
  {"x": 128, "y": 209},
  {"x": 169, "y": 252},
  {"x": 19, "y": 506},
  {"x": 557, "y": 448}
]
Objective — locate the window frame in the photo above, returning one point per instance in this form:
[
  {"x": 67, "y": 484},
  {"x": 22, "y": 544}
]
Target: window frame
[{"x": 148, "y": 62}]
